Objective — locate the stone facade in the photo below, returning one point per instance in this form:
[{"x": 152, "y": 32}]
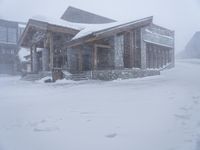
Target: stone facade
[{"x": 108, "y": 75}]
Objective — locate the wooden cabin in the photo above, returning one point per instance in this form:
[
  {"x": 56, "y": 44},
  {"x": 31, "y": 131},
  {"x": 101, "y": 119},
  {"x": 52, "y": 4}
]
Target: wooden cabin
[
  {"x": 122, "y": 48},
  {"x": 99, "y": 51}
]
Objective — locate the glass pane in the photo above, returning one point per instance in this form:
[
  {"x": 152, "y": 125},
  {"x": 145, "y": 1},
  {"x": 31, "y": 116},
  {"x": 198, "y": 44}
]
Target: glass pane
[
  {"x": 3, "y": 35},
  {"x": 12, "y": 35}
]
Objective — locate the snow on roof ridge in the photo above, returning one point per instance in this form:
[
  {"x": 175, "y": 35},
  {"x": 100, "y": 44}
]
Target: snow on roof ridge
[
  {"x": 94, "y": 28},
  {"x": 58, "y": 22}
]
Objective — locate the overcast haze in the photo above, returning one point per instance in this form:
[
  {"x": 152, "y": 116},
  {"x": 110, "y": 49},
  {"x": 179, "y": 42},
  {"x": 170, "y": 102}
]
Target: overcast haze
[{"x": 183, "y": 16}]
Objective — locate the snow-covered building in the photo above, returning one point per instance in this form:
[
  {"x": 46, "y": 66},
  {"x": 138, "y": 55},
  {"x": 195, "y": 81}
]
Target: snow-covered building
[
  {"x": 10, "y": 32},
  {"x": 98, "y": 48}
]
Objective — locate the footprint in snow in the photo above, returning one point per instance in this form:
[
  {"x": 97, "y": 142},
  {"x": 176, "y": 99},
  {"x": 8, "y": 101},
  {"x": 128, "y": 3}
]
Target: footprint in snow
[
  {"x": 86, "y": 113},
  {"x": 36, "y": 123},
  {"x": 182, "y": 117},
  {"x": 185, "y": 109},
  {"x": 46, "y": 129},
  {"x": 113, "y": 135},
  {"x": 196, "y": 97},
  {"x": 196, "y": 102}
]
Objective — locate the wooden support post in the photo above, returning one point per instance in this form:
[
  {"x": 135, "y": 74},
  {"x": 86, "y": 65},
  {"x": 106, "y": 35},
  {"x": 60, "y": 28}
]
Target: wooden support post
[
  {"x": 95, "y": 58},
  {"x": 143, "y": 50},
  {"x": 159, "y": 58},
  {"x": 31, "y": 50},
  {"x": 80, "y": 60},
  {"x": 155, "y": 57},
  {"x": 151, "y": 53},
  {"x": 168, "y": 56},
  {"x": 45, "y": 56},
  {"x": 132, "y": 46},
  {"x": 163, "y": 58},
  {"x": 35, "y": 59},
  {"x": 148, "y": 57},
  {"x": 118, "y": 51},
  {"x": 51, "y": 47}
]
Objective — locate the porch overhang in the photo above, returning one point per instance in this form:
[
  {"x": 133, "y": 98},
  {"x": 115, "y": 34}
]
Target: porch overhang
[{"x": 36, "y": 31}]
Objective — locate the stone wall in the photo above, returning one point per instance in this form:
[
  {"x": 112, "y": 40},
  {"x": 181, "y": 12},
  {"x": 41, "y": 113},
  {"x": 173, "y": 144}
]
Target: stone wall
[{"x": 107, "y": 75}]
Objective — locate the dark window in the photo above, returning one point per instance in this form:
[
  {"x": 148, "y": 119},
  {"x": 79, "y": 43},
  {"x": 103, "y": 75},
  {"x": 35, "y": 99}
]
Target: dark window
[
  {"x": 20, "y": 31},
  {"x": 12, "y": 35},
  {"x": 3, "y": 34}
]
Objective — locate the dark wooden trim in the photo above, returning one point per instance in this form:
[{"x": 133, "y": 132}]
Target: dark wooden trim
[{"x": 103, "y": 46}]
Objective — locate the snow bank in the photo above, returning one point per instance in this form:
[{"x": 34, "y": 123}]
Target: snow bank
[{"x": 22, "y": 53}]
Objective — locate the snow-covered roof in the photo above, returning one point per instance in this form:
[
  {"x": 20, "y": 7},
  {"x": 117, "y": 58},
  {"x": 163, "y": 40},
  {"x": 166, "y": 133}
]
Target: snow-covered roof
[
  {"x": 58, "y": 22},
  {"x": 86, "y": 29},
  {"x": 20, "y": 25},
  {"x": 94, "y": 28}
]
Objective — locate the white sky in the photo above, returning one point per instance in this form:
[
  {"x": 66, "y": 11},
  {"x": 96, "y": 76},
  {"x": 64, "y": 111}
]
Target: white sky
[{"x": 183, "y": 16}]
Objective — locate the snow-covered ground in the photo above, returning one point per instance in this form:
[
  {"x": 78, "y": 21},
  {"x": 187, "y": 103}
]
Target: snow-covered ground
[{"x": 153, "y": 113}]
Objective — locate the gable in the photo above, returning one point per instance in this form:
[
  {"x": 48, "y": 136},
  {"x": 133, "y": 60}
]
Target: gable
[{"x": 80, "y": 16}]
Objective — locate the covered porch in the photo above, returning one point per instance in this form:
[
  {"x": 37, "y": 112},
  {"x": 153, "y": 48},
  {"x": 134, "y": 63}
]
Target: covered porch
[{"x": 45, "y": 42}]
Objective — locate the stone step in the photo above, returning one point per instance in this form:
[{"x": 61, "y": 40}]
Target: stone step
[{"x": 78, "y": 77}]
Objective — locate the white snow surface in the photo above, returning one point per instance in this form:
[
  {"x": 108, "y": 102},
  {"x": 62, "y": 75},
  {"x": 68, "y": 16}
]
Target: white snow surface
[
  {"x": 153, "y": 113},
  {"x": 22, "y": 53}
]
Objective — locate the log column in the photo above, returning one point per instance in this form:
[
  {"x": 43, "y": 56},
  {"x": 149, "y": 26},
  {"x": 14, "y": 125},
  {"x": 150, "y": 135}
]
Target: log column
[
  {"x": 165, "y": 57},
  {"x": 95, "y": 58},
  {"x": 132, "y": 46},
  {"x": 80, "y": 59},
  {"x": 151, "y": 57},
  {"x": 154, "y": 58},
  {"x": 35, "y": 59},
  {"x": 143, "y": 51},
  {"x": 45, "y": 57},
  {"x": 51, "y": 47},
  {"x": 31, "y": 51},
  {"x": 168, "y": 56},
  {"x": 159, "y": 58},
  {"x": 148, "y": 57},
  {"x": 119, "y": 51}
]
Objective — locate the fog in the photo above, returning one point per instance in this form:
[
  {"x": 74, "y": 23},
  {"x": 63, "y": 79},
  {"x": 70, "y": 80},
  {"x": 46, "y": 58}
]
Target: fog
[{"x": 183, "y": 16}]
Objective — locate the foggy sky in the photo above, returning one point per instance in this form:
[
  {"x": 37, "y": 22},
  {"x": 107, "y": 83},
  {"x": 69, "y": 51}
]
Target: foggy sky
[{"x": 183, "y": 16}]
